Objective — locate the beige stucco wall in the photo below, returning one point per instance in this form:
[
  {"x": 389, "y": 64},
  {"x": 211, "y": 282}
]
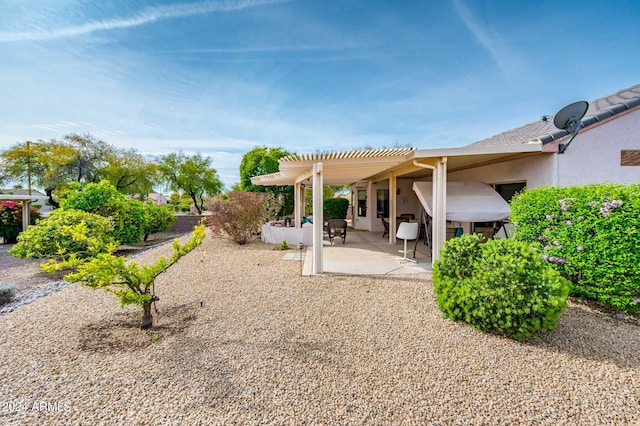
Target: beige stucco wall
[
  {"x": 535, "y": 171},
  {"x": 594, "y": 155}
]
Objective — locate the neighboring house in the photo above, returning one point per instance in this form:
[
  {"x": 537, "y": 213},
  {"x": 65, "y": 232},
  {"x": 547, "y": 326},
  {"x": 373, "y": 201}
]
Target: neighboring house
[
  {"x": 157, "y": 198},
  {"x": 607, "y": 149},
  {"x": 40, "y": 199}
]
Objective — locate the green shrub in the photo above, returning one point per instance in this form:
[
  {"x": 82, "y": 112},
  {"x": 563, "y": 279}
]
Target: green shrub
[
  {"x": 238, "y": 216},
  {"x": 159, "y": 219},
  {"x": 129, "y": 216},
  {"x": 129, "y": 221},
  {"x": 590, "y": 234},
  {"x": 93, "y": 198},
  {"x": 11, "y": 220},
  {"x": 53, "y": 236},
  {"x": 336, "y": 208},
  {"x": 501, "y": 285}
]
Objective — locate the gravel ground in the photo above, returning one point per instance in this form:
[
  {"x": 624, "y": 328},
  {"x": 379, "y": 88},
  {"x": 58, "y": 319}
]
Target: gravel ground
[{"x": 242, "y": 338}]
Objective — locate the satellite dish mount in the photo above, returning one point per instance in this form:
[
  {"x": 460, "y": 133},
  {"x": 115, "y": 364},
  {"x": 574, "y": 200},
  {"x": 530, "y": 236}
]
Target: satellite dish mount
[{"x": 569, "y": 119}]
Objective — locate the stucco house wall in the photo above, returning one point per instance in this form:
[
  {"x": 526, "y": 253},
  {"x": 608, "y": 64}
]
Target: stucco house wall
[
  {"x": 535, "y": 171},
  {"x": 594, "y": 155}
]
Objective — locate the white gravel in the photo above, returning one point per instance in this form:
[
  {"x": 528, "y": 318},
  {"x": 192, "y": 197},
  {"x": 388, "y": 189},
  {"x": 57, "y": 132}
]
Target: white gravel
[{"x": 242, "y": 338}]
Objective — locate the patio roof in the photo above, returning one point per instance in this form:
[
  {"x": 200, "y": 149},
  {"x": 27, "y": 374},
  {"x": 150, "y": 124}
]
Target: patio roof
[
  {"x": 347, "y": 167},
  {"x": 339, "y": 167}
]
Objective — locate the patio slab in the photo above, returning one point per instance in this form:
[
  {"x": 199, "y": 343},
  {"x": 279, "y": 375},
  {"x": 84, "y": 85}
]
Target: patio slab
[{"x": 366, "y": 253}]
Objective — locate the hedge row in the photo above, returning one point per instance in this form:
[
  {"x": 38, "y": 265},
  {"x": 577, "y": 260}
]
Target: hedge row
[{"x": 590, "y": 234}]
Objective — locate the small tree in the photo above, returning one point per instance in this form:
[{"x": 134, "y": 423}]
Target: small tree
[
  {"x": 239, "y": 216},
  {"x": 129, "y": 282}
]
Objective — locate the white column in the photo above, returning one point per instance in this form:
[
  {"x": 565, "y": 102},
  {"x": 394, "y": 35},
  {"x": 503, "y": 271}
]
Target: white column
[
  {"x": 26, "y": 215},
  {"x": 297, "y": 214},
  {"x": 439, "y": 207},
  {"x": 318, "y": 222},
  {"x": 392, "y": 208}
]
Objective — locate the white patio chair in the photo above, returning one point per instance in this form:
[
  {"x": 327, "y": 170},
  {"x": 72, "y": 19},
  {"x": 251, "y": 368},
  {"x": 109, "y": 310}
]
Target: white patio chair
[{"x": 407, "y": 231}]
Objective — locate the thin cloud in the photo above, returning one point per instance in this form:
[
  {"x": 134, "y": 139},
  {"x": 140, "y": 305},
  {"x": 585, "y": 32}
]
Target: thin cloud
[
  {"x": 486, "y": 40},
  {"x": 147, "y": 15}
]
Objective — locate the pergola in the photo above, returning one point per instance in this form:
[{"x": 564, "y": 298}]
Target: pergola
[
  {"x": 338, "y": 168},
  {"x": 25, "y": 200}
]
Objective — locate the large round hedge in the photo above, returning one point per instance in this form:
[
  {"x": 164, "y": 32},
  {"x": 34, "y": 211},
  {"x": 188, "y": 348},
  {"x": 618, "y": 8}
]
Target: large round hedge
[{"x": 501, "y": 285}]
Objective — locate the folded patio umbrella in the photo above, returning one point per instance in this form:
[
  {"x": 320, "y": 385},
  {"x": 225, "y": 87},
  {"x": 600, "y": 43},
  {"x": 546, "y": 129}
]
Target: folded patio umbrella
[{"x": 466, "y": 201}]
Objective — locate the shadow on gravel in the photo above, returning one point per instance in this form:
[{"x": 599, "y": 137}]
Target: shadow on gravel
[
  {"x": 593, "y": 335},
  {"x": 122, "y": 332}
]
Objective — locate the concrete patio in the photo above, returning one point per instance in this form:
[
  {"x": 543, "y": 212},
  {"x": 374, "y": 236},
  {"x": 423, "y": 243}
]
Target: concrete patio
[{"x": 367, "y": 253}]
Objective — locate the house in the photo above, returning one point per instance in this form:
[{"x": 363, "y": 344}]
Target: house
[
  {"x": 607, "y": 149},
  {"x": 157, "y": 198}
]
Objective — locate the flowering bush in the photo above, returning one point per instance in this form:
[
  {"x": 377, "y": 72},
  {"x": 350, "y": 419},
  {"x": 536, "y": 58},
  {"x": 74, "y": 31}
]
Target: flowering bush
[
  {"x": 238, "y": 216},
  {"x": 590, "y": 234},
  {"x": 500, "y": 285},
  {"x": 11, "y": 220}
]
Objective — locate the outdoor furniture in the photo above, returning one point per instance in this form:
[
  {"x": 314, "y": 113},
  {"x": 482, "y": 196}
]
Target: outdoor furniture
[
  {"x": 408, "y": 231},
  {"x": 337, "y": 228},
  {"x": 385, "y": 223}
]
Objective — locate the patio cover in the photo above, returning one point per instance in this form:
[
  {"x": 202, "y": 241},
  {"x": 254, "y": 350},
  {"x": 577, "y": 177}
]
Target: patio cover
[{"x": 466, "y": 201}]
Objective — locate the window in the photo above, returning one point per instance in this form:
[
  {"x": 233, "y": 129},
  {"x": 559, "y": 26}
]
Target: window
[
  {"x": 382, "y": 202},
  {"x": 508, "y": 190},
  {"x": 362, "y": 202}
]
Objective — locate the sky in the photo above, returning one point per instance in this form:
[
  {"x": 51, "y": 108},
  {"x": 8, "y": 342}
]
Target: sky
[{"x": 222, "y": 77}]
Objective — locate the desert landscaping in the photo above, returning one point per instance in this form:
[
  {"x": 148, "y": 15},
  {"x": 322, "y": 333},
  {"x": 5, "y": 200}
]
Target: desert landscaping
[{"x": 240, "y": 337}]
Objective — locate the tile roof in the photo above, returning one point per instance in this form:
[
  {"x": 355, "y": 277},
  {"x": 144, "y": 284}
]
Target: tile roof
[
  {"x": 19, "y": 191},
  {"x": 540, "y": 131}
]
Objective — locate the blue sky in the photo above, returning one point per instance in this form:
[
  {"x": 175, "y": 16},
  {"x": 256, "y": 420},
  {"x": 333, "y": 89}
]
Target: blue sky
[{"x": 221, "y": 77}]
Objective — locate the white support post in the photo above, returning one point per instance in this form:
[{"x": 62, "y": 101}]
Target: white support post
[
  {"x": 318, "y": 222},
  {"x": 26, "y": 215},
  {"x": 439, "y": 207},
  {"x": 392, "y": 208},
  {"x": 297, "y": 213}
]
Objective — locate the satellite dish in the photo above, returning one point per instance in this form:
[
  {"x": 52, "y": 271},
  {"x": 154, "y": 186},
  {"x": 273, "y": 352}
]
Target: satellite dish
[{"x": 568, "y": 118}]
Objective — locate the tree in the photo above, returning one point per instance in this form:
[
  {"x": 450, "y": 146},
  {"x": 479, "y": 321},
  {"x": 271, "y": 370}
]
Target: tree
[
  {"x": 261, "y": 161},
  {"x": 45, "y": 164},
  {"x": 53, "y": 165},
  {"x": 128, "y": 281},
  {"x": 192, "y": 175}
]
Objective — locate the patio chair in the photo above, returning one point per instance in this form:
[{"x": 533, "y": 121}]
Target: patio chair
[
  {"x": 337, "y": 228},
  {"x": 385, "y": 223},
  {"x": 408, "y": 231}
]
